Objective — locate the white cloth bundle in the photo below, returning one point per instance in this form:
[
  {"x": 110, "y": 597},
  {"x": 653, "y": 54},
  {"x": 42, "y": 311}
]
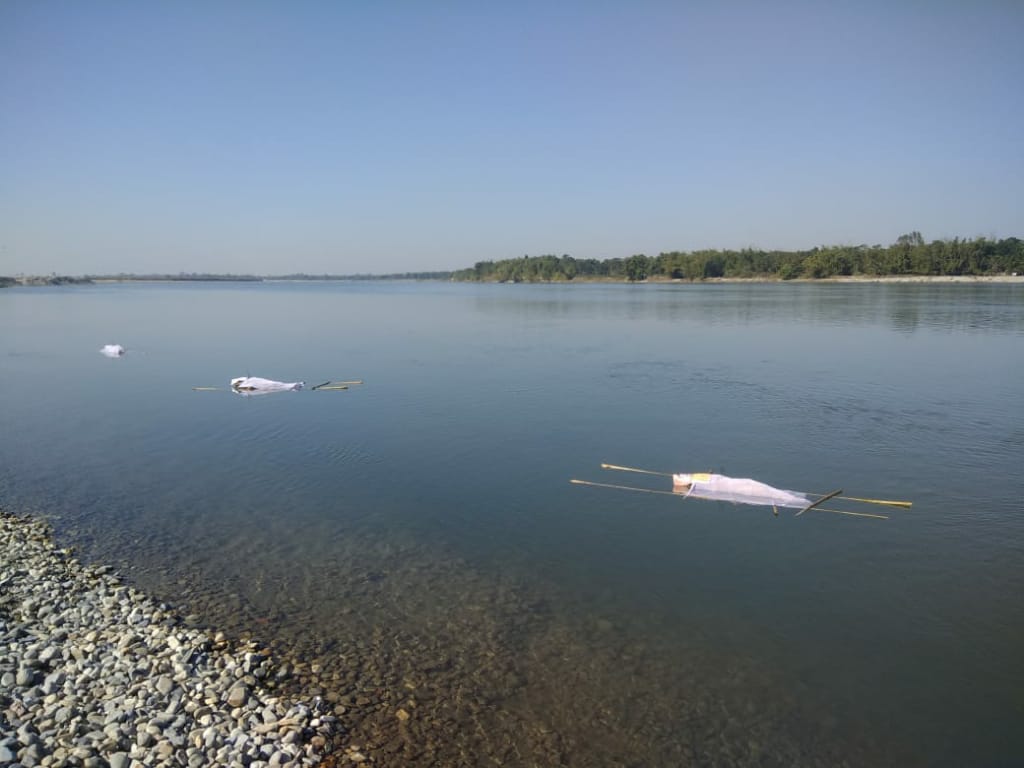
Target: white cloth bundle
[
  {"x": 737, "y": 490},
  {"x": 254, "y": 385},
  {"x": 112, "y": 350}
]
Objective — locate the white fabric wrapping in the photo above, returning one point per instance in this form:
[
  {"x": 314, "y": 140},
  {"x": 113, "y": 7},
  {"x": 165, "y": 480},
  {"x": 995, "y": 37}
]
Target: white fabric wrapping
[
  {"x": 112, "y": 350},
  {"x": 737, "y": 490},
  {"x": 254, "y": 385}
]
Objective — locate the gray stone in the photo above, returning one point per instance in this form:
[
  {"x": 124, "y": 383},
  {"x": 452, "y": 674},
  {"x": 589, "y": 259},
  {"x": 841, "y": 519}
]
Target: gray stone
[
  {"x": 53, "y": 682},
  {"x": 164, "y": 684},
  {"x": 30, "y": 756},
  {"x": 238, "y": 695},
  {"x": 27, "y": 735}
]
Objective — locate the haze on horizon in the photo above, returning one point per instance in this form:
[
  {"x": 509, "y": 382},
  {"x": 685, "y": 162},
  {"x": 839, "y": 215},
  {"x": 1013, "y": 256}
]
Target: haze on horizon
[{"x": 316, "y": 137}]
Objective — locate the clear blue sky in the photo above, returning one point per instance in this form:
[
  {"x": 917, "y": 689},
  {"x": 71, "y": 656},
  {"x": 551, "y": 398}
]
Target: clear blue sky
[{"x": 381, "y": 137}]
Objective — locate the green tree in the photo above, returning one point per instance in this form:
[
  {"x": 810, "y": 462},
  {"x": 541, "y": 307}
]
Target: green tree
[{"x": 637, "y": 267}]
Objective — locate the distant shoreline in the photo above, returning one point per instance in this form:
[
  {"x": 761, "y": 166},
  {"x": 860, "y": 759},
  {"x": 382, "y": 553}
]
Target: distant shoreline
[
  {"x": 869, "y": 279},
  {"x": 771, "y": 280},
  {"x": 855, "y": 279}
]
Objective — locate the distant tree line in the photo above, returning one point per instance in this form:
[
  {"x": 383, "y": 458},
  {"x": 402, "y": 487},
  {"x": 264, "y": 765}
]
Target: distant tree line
[
  {"x": 396, "y": 276},
  {"x": 7, "y": 282},
  {"x": 909, "y": 255}
]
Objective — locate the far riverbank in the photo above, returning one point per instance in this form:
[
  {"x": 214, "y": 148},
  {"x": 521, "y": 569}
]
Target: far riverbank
[
  {"x": 762, "y": 279},
  {"x": 768, "y": 280},
  {"x": 970, "y": 279}
]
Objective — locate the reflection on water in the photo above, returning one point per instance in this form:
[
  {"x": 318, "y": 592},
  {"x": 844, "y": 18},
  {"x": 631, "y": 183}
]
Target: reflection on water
[
  {"x": 979, "y": 308},
  {"x": 415, "y": 545}
]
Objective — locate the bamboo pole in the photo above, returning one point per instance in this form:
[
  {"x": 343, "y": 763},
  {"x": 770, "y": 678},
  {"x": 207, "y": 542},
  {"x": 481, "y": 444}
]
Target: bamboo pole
[
  {"x": 626, "y": 488},
  {"x": 821, "y": 500},
  {"x": 634, "y": 469},
  {"x": 679, "y": 495},
  {"x": 854, "y": 514},
  {"x": 884, "y": 502}
]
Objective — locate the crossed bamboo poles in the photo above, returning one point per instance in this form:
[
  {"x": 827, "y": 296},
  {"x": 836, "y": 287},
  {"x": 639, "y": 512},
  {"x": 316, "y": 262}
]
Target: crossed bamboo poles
[
  {"x": 327, "y": 386},
  {"x": 821, "y": 497}
]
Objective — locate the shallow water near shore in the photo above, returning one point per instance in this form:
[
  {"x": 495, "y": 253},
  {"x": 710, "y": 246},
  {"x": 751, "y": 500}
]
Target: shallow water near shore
[{"x": 417, "y": 537}]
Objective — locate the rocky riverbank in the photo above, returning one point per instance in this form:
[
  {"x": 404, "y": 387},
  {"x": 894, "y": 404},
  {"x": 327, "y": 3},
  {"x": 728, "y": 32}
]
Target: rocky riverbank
[{"x": 93, "y": 673}]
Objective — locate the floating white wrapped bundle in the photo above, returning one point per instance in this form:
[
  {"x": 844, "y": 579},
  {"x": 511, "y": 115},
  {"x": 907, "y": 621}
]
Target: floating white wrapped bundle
[
  {"x": 742, "y": 490},
  {"x": 254, "y": 385},
  {"x": 112, "y": 350},
  {"x": 738, "y": 490}
]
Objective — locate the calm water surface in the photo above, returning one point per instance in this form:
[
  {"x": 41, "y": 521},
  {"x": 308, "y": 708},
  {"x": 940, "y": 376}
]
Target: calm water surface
[{"x": 418, "y": 536}]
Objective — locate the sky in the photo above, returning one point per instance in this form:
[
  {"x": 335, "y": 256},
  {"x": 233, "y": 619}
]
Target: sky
[{"x": 384, "y": 137}]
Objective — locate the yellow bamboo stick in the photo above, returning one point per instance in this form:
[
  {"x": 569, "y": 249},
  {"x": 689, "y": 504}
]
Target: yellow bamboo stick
[
  {"x": 844, "y": 512},
  {"x": 207, "y": 389},
  {"x": 886, "y": 502},
  {"x": 634, "y": 469},
  {"x": 680, "y": 495},
  {"x": 626, "y": 488}
]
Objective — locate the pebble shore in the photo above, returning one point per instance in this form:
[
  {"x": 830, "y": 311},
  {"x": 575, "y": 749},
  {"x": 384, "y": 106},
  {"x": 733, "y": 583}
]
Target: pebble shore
[{"x": 95, "y": 674}]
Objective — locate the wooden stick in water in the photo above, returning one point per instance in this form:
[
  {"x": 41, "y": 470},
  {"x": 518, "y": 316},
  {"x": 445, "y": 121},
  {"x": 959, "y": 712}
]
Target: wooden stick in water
[
  {"x": 634, "y": 469},
  {"x": 679, "y": 495},
  {"x": 821, "y": 500},
  {"x": 336, "y": 384},
  {"x": 853, "y": 514},
  {"x": 885, "y": 502},
  {"x": 626, "y": 488}
]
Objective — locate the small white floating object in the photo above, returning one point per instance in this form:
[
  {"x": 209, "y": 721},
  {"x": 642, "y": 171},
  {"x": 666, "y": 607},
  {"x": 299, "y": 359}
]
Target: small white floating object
[
  {"x": 112, "y": 350},
  {"x": 254, "y": 385}
]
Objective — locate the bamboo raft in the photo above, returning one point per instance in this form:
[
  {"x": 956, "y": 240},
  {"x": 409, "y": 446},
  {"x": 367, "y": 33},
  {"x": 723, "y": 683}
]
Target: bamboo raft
[
  {"x": 250, "y": 386},
  {"x": 712, "y": 487}
]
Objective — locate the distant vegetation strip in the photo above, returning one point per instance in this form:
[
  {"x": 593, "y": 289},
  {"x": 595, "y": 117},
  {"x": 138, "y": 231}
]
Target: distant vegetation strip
[
  {"x": 7, "y": 282},
  {"x": 909, "y": 256}
]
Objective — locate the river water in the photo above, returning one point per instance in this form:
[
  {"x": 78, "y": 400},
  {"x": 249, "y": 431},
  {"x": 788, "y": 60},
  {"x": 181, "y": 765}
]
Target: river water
[{"x": 417, "y": 537}]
